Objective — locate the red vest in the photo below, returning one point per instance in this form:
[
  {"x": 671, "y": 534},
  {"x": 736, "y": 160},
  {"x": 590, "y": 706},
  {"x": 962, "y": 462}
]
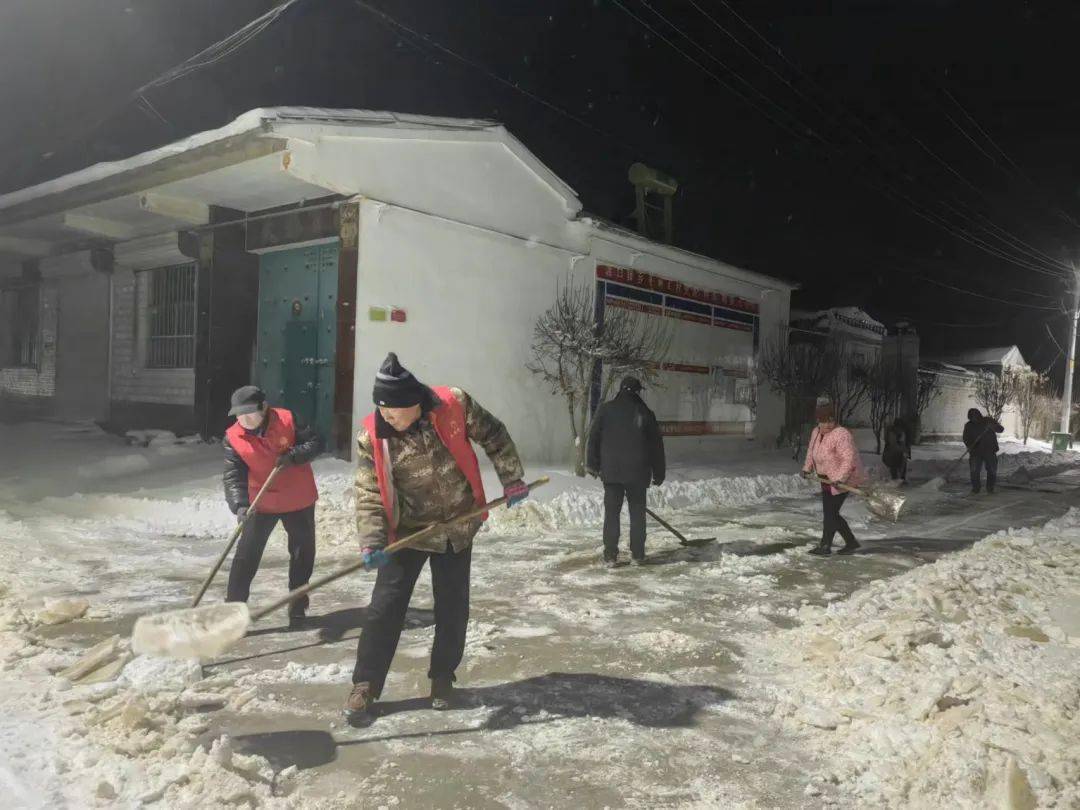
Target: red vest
[
  {"x": 448, "y": 419},
  {"x": 294, "y": 487}
]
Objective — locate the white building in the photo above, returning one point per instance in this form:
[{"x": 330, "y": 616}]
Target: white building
[
  {"x": 956, "y": 372},
  {"x": 296, "y": 246}
]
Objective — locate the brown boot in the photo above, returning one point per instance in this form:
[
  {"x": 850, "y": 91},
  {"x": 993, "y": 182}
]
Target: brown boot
[
  {"x": 358, "y": 707},
  {"x": 442, "y": 694}
]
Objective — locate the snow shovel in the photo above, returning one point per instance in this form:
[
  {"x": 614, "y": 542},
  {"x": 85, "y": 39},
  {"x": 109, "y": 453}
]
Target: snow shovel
[
  {"x": 695, "y": 543},
  {"x": 235, "y": 536},
  {"x": 951, "y": 467},
  {"x": 208, "y": 631},
  {"x": 886, "y": 505}
]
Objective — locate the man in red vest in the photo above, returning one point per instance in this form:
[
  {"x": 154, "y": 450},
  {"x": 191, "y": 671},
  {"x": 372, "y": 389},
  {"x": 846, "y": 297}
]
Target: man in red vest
[
  {"x": 261, "y": 439},
  {"x": 416, "y": 466}
]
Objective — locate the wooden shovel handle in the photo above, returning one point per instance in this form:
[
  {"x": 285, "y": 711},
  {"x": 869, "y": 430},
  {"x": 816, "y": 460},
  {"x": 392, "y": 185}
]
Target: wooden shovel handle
[
  {"x": 404, "y": 542},
  {"x": 235, "y": 536}
]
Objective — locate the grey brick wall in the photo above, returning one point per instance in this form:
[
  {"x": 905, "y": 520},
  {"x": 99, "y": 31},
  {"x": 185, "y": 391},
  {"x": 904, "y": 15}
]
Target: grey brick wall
[
  {"x": 37, "y": 383},
  {"x": 131, "y": 382}
]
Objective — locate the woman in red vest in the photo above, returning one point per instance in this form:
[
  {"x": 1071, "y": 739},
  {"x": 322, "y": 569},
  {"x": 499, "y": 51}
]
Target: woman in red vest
[
  {"x": 416, "y": 466},
  {"x": 261, "y": 439}
]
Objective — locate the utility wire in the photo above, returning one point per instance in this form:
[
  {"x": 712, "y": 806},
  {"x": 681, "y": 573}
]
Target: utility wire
[
  {"x": 988, "y": 297},
  {"x": 1008, "y": 235},
  {"x": 492, "y": 75}
]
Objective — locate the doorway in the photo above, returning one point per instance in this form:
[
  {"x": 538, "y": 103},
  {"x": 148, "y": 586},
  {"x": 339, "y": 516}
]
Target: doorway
[{"x": 297, "y": 332}]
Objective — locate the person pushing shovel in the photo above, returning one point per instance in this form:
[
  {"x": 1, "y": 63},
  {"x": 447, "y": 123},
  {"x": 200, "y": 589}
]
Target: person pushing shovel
[
  {"x": 262, "y": 440},
  {"x": 415, "y": 467},
  {"x": 980, "y": 438},
  {"x": 832, "y": 454},
  {"x": 626, "y": 450}
]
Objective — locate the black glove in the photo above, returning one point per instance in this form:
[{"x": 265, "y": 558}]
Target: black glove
[
  {"x": 592, "y": 472},
  {"x": 285, "y": 460},
  {"x": 241, "y": 514},
  {"x": 657, "y": 481}
]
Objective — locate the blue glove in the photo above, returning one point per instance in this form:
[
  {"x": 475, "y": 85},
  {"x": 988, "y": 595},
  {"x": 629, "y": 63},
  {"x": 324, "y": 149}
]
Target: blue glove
[
  {"x": 374, "y": 558},
  {"x": 515, "y": 492}
]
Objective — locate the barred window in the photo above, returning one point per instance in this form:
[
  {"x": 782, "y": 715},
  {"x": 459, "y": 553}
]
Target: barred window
[
  {"x": 21, "y": 308},
  {"x": 170, "y": 338}
]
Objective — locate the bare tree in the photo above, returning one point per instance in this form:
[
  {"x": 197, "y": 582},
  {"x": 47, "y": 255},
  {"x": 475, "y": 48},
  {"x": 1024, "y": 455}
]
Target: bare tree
[
  {"x": 884, "y": 391},
  {"x": 1031, "y": 390},
  {"x": 850, "y": 385},
  {"x": 928, "y": 389},
  {"x": 800, "y": 372},
  {"x": 571, "y": 349},
  {"x": 995, "y": 391}
]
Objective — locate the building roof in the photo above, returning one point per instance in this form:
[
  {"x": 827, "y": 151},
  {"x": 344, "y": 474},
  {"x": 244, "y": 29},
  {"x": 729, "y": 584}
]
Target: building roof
[
  {"x": 270, "y": 157},
  {"x": 997, "y": 356},
  {"x": 849, "y": 319}
]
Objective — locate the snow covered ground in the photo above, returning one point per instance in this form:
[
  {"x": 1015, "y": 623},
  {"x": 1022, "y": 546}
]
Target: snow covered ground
[{"x": 687, "y": 683}]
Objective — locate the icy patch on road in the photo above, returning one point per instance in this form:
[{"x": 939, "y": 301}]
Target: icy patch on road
[
  {"x": 577, "y": 508},
  {"x": 954, "y": 683}
]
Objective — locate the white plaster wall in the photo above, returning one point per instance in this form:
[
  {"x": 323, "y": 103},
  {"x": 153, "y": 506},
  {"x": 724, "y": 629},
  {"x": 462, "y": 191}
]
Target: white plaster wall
[
  {"x": 471, "y": 298},
  {"x": 946, "y": 415}
]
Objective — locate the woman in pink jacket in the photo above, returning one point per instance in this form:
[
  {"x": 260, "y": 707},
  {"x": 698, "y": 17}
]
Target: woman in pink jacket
[{"x": 832, "y": 454}]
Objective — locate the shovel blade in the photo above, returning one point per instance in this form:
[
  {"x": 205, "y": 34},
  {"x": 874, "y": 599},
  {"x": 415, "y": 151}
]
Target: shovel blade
[
  {"x": 698, "y": 542},
  {"x": 201, "y": 632},
  {"x": 886, "y": 505}
]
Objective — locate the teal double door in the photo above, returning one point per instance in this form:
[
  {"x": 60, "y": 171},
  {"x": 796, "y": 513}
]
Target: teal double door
[{"x": 297, "y": 332}]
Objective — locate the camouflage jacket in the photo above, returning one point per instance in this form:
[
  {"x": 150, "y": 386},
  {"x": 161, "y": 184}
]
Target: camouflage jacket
[{"x": 429, "y": 485}]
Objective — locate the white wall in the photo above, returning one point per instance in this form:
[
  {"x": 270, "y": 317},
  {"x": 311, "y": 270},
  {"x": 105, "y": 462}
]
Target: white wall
[
  {"x": 471, "y": 297},
  {"x": 946, "y": 415}
]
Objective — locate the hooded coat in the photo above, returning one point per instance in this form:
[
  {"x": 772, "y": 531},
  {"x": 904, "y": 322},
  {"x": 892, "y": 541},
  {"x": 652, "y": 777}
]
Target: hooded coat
[{"x": 625, "y": 444}]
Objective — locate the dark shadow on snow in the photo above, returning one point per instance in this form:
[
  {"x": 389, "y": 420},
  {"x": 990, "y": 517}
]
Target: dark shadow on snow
[
  {"x": 333, "y": 627},
  {"x": 304, "y": 749},
  {"x": 579, "y": 694}
]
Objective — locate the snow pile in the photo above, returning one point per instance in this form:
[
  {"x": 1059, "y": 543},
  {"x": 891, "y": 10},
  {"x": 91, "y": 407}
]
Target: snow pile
[
  {"x": 114, "y": 466},
  {"x": 128, "y": 741},
  {"x": 951, "y": 683},
  {"x": 580, "y": 508}
]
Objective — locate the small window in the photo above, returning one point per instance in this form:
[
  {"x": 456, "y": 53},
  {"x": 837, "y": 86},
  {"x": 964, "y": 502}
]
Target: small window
[
  {"x": 21, "y": 310},
  {"x": 170, "y": 317}
]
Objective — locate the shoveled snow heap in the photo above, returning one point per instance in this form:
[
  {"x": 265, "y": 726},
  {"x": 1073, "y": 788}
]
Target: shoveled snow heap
[
  {"x": 954, "y": 683},
  {"x": 579, "y": 507}
]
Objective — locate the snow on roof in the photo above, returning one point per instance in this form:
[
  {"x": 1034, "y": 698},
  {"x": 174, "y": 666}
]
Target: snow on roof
[
  {"x": 993, "y": 356},
  {"x": 263, "y": 120},
  {"x": 840, "y": 317}
]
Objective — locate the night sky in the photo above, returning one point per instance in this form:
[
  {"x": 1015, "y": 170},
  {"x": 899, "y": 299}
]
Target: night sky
[{"x": 881, "y": 145}]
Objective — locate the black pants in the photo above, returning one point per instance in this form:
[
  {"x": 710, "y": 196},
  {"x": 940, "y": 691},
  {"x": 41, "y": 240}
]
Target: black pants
[
  {"x": 300, "y": 526},
  {"x": 976, "y": 464},
  {"x": 390, "y": 600},
  {"x": 613, "y": 501},
  {"x": 833, "y": 521}
]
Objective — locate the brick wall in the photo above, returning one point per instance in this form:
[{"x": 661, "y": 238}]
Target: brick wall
[
  {"x": 130, "y": 381},
  {"x": 37, "y": 383}
]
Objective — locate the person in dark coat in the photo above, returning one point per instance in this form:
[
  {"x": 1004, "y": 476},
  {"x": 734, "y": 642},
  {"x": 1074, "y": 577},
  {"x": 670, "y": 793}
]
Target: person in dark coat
[
  {"x": 897, "y": 450},
  {"x": 262, "y": 439},
  {"x": 980, "y": 437},
  {"x": 627, "y": 451}
]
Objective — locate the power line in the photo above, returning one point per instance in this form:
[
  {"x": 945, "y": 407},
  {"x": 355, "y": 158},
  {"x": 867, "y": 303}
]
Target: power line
[
  {"x": 492, "y": 75},
  {"x": 988, "y": 297},
  {"x": 865, "y": 127}
]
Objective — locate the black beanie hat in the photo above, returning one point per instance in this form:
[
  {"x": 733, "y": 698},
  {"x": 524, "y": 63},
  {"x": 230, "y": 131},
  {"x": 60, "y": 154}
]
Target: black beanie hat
[
  {"x": 974, "y": 414},
  {"x": 632, "y": 384},
  {"x": 395, "y": 386}
]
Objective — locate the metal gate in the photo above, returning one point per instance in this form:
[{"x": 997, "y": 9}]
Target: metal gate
[{"x": 297, "y": 332}]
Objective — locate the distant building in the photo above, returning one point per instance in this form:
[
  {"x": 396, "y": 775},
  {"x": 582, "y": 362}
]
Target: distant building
[{"x": 956, "y": 372}]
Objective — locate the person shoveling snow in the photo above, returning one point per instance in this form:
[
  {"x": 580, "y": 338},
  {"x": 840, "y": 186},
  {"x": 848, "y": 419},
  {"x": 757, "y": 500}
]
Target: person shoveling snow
[
  {"x": 833, "y": 459},
  {"x": 416, "y": 467}
]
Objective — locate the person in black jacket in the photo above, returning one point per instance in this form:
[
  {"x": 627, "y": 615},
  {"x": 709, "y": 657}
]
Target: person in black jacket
[
  {"x": 897, "y": 450},
  {"x": 980, "y": 437},
  {"x": 627, "y": 451},
  {"x": 264, "y": 439}
]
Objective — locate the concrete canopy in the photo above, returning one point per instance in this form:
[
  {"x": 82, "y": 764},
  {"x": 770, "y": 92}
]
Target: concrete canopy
[{"x": 469, "y": 171}]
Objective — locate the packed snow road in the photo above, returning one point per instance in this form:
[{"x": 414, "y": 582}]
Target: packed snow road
[{"x": 638, "y": 687}]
